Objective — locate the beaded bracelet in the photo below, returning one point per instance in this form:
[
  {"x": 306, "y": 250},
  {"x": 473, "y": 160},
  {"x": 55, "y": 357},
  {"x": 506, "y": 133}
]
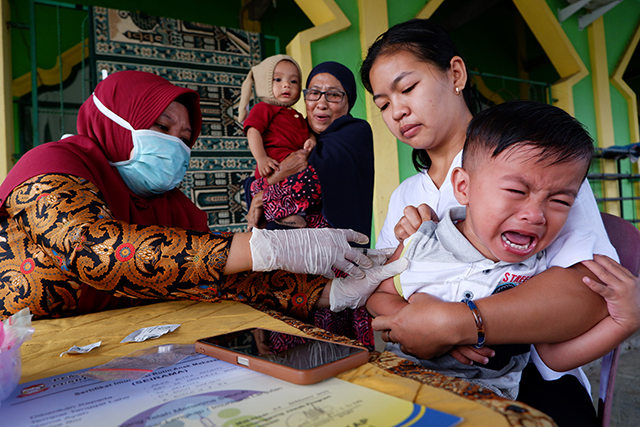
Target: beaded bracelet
[{"x": 479, "y": 325}]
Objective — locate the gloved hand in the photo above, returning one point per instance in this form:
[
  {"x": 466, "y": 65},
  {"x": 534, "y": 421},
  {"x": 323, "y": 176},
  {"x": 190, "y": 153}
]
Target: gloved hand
[
  {"x": 378, "y": 256},
  {"x": 308, "y": 251},
  {"x": 349, "y": 292}
]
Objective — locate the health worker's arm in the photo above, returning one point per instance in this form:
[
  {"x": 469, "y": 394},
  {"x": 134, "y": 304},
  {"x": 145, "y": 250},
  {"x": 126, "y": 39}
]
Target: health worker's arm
[{"x": 72, "y": 226}]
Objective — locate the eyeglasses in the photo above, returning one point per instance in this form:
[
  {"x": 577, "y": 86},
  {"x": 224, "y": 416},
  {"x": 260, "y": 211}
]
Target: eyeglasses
[{"x": 330, "y": 95}]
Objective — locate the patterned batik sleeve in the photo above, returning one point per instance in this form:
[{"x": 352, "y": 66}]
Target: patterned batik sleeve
[
  {"x": 66, "y": 218},
  {"x": 288, "y": 293},
  {"x": 295, "y": 194}
]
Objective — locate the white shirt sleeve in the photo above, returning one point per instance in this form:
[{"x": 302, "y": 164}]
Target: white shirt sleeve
[
  {"x": 409, "y": 192},
  {"x": 549, "y": 374},
  {"x": 413, "y": 191},
  {"x": 583, "y": 234}
]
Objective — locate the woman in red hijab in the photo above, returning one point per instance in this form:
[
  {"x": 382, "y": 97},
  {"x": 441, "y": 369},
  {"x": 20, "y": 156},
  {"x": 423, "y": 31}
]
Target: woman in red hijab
[{"x": 94, "y": 221}]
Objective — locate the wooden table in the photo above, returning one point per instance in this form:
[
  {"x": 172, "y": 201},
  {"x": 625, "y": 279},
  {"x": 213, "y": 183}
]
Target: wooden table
[{"x": 41, "y": 355}]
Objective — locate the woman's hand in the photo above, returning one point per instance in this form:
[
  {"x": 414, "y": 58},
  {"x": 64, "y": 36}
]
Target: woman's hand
[
  {"x": 427, "y": 326},
  {"x": 309, "y": 251},
  {"x": 255, "y": 217},
  {"x": 413, "y": 219},
  {"x": 293, "y": 163},
  {"x": 310, "y": 143},
  {"x": 350, "y": 292}
]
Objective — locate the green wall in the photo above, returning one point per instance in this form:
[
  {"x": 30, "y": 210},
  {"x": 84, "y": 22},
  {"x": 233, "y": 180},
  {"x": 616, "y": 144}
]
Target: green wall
[
  {"x": 344, "y": 47},
  {"x": 48, "y": 35},
  {"x": 627, "y": 13},
  {"x": 487, "y": 43},
  {"x": 482, "y": 42},
  {"x": 284, "y": 22}
]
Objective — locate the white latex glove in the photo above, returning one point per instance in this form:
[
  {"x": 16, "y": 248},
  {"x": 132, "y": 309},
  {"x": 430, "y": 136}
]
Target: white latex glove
[
  {"x": 349, "y": 292},
  {"x": 308, "y": 251},
  {"x": 378, "y": 256}
]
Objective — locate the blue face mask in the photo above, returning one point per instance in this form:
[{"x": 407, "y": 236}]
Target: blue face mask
[{"x": 158, "y": 161}]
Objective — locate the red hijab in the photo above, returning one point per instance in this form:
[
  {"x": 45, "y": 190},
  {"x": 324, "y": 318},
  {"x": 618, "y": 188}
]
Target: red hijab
[{"x": 139, "y": 98}]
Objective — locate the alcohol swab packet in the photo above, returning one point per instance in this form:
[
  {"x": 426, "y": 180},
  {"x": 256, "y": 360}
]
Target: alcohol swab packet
[
  {"x": 141, "y": 362},
  {"x": 81, "y": 350},
  {"x": 151, "y": 332}
]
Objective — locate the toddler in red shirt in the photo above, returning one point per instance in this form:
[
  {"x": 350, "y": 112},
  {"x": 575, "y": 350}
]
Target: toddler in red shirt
[{"x": 273, "y": 128}]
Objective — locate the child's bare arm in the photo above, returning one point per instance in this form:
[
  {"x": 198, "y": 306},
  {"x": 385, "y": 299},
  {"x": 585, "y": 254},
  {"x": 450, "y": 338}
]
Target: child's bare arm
[
  {"x": 266, "y": 165},
  {"x": 386, "y": 300},
  {"x": 621, "y": 290},
  {"x": 256, "y": 144}
]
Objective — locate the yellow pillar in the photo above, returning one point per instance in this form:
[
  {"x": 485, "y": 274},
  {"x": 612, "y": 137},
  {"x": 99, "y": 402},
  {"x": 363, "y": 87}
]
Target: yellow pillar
[
  {"x": 618, "y": 82},
  {"x": 632, "y": 103},
  {"x": 545, "y": 26},
  {"x": 602, "y": 104},
  {"x": 328, "y": 19},
  {"x": 429, "y": 9},
  {"x": 248, "y": 24},
  {"x": 373, "y": 22},
  {"x": 6, "y": 98}
]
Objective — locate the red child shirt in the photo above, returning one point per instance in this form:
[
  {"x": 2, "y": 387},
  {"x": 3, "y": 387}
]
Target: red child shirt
[{"x": 283, "y": 129}]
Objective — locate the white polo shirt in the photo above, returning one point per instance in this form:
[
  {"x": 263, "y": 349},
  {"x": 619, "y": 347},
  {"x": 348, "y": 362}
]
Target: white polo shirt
[
  {"x": 445, "y": 264},
  {"x": 582, "y": 236}
]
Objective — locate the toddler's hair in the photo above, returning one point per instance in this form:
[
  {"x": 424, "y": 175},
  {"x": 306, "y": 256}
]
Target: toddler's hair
[{"x": 559, "y": 137}]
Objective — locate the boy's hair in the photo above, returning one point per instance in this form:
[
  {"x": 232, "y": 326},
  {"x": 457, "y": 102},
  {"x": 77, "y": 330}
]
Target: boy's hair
[{"x": 559, "y": 137}]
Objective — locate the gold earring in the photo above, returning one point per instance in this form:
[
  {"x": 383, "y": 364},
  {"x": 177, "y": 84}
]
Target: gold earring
[{"x": 457, "y": 89}]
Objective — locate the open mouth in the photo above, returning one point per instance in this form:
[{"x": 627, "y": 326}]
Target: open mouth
[{"x": 517, "y": 241}]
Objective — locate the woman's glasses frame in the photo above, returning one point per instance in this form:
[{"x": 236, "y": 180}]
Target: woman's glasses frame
[{"x": 333, "y": 95}]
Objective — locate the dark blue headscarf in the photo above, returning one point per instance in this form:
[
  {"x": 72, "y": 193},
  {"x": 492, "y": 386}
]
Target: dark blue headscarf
[
  {"x": 343, "y": 160},
  {"x": 340, "y": 72}
]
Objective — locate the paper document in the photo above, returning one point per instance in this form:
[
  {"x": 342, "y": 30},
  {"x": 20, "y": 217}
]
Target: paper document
[{"x": 203, "y": 391}]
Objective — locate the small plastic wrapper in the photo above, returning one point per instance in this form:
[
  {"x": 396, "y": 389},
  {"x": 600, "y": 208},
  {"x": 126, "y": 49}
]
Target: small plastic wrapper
[
  {"x": 13, "y": 332},
  {"x": 81, "y": 350},
  {"x": 16, "y": 330},
  {"x": 151, "y": 332},
  {"x": 139, "y": 363}
]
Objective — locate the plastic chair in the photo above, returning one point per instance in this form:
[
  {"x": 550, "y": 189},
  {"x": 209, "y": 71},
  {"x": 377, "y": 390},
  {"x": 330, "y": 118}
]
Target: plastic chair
[{"x": 625, "y": 238}]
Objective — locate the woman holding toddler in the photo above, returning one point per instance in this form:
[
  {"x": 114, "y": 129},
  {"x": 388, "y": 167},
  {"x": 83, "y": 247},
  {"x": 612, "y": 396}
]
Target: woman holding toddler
[{"x": 419, "y": 82}]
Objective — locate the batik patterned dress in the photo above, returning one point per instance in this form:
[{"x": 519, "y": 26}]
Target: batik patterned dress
[{"x": 60, "y": 245}]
